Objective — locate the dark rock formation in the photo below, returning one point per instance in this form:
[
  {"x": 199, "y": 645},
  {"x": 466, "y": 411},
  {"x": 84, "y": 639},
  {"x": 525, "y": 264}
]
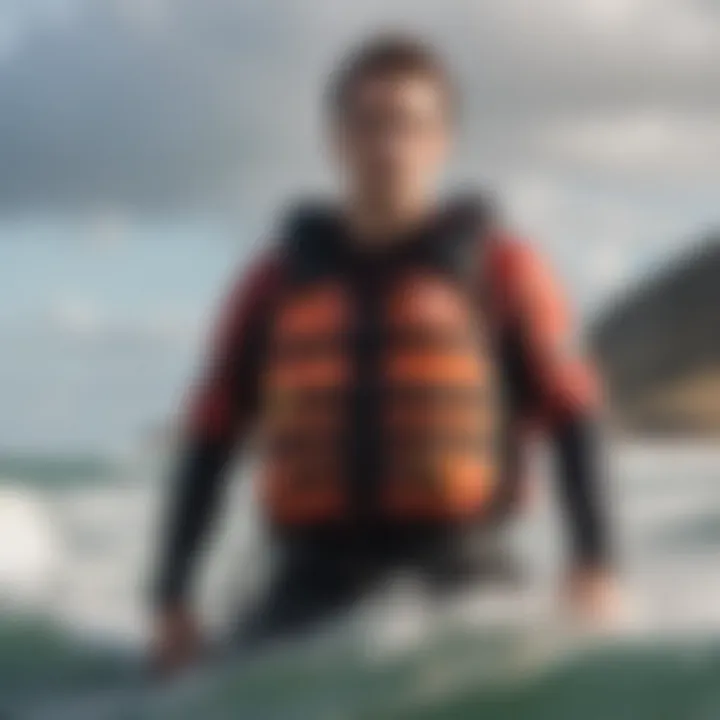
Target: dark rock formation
[{"x": 659, "y": 348}]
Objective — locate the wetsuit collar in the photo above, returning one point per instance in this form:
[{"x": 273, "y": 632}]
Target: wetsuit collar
[{"x": 326, "y": 222}]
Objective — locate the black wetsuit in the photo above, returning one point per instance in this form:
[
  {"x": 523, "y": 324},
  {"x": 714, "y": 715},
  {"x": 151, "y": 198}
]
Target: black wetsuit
[{"x": 323, "y": 572}]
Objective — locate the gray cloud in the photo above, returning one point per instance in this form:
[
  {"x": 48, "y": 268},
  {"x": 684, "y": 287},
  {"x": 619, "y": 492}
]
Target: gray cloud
[
  {"x": 599, "y": 122},
  {"x": 94, "y": 114},
  {"x": 160, "y": 106}
]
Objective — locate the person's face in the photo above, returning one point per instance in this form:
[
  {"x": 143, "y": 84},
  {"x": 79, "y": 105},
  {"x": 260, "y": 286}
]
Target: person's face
[{"x": 393, "y": 140}]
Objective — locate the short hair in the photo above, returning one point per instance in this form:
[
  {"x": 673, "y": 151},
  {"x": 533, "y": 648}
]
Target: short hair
[{"x": 386, "y": 56}]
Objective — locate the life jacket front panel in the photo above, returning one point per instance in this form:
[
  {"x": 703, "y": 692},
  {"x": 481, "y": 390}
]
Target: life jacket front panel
[
  {"x": 426, "y": 396},
  {"x": 308, "y": 376},
  {"x": 438, "y": 403}
]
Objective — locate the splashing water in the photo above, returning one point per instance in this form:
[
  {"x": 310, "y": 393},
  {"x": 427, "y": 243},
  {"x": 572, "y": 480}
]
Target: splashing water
[{"x": 76, "y": 558}]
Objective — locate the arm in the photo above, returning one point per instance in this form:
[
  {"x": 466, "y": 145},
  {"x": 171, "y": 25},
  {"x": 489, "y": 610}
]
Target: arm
[
  {"x": 578, "y": 449},
  {"x": 555, "y": 388},
  {"x": 567, "y": 405},
  {"x": 221, "y": 413}
]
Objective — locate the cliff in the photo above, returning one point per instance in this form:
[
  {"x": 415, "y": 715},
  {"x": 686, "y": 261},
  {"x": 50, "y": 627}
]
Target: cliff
[{"x": 659, "y": 348}]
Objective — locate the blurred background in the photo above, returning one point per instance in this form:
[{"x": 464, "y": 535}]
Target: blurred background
[{"x": 145, "y": 149}]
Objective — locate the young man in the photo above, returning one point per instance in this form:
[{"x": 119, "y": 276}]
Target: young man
[{"x": 391, "y": 353}]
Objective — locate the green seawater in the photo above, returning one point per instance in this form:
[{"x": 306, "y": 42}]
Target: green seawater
[
  {"x": 51, "y": 669},
  {"x": 55, "y": 471},
  {"x": 646, "y": 681}
]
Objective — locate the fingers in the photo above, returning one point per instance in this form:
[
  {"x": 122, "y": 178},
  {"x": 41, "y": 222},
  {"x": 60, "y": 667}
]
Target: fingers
[{"x": 176, "y": 645}]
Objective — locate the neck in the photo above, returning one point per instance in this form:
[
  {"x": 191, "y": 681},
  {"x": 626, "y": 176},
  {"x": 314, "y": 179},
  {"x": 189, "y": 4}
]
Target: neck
[{"x": 372, "y": 226}]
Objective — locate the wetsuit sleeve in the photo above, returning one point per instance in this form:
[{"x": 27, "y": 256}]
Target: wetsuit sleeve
[
  {"x": 555, "y": 388},
  {"x": 578, "y": 449},
  {"x": 221, "y": 410},
  {"x": 560, "y": 382}
]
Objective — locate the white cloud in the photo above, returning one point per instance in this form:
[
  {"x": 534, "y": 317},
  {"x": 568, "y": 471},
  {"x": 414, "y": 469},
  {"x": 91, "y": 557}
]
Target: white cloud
[
  {"x": 219, "y": 92},
  {"x": 75, "y": 315},
  {"x": 671, "y": 147},
  {"x": 82, "y": 319},
  {"x": 598, "y": 121},
  {"x": 175, "y": 106},
  {"x": 106, "y": 229}
]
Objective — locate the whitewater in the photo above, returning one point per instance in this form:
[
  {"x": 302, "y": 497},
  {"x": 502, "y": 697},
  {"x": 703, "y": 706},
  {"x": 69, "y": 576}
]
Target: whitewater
[{"x": 76, "y": 560}]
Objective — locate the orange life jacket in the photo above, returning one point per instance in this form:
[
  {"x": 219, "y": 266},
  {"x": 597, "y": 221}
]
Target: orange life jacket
[{"x": 379, "y": 400}]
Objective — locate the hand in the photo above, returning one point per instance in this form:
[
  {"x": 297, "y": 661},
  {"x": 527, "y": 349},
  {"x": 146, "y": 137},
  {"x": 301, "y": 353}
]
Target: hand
[
  {"x": 594, "y": 596},
  {"x": 177, "y": 642}
]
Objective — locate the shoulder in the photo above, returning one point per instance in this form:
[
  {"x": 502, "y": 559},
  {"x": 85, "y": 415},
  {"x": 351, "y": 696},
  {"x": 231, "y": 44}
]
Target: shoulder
[
  {"x": 261, "y": 276},
  {"x": 251, "y": 293},
  {"x": 511, "y": 258},
  {"x": 517, "y": 274}
]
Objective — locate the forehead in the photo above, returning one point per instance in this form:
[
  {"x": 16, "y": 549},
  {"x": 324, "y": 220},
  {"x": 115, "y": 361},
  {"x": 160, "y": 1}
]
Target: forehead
[{"x": 417, "y": 91}]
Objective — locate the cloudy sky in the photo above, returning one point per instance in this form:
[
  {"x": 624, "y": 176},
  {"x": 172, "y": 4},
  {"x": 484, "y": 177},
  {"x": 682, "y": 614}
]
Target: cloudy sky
[{"x": 144, "y": 145}]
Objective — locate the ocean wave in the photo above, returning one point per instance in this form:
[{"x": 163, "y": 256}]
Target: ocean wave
[{"x": 75, "y": 564}]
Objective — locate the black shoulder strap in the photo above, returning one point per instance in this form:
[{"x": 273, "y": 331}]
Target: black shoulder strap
[
  {"x": 310, "y": 241},
  {"x": 458, "y": 247}
]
